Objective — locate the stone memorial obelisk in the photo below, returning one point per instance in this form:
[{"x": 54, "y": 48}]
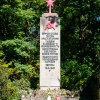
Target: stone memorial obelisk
[{"x": 49, "y": 49}]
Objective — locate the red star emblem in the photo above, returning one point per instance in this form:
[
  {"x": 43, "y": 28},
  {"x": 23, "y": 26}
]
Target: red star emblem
[{"x": 49, "y": 2}]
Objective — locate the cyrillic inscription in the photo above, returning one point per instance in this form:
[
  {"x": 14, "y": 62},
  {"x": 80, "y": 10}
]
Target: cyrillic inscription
[{"x": 49, "y": 49}]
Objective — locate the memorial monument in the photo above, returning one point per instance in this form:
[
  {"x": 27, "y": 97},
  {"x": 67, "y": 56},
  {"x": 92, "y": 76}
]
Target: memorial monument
[{"x": 49, "y": 49}]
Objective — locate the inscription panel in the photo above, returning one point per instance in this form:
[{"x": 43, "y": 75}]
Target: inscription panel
[{"x": 49, "y": 55}]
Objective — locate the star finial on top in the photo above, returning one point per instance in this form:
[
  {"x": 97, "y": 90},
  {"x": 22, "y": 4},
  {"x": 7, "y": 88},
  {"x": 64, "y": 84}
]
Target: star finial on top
[{"x": 50, "y": 2}]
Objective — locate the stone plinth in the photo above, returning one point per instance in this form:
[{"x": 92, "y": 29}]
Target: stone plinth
[{"x": 49, "y": 52}]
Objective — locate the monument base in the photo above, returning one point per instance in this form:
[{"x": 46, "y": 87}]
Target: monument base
[{"x": 52, "y": 88}]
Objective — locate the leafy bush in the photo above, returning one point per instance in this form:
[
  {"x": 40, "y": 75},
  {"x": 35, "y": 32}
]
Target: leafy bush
[{"x": 74, "y": 75}]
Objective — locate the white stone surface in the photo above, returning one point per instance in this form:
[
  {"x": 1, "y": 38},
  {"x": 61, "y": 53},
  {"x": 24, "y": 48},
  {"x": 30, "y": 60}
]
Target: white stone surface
[{"x": 49, "y": 54}]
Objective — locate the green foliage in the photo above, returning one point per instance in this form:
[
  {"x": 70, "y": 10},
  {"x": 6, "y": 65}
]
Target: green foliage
[
  {"x": 17, "y": 48},
  {"x": 74, "y": 75},
  {"x": 25, "y": 71},
  {"x": 4, "y": 74},
  {"x": 11, "y": 89},
  {"x": 5, "y": 89},
  {"x": 80, "y": 41},
  {"x": 17, "y": 45},
  {"x": 14, "y": 19},
  {"x": 14, "y": 88}
]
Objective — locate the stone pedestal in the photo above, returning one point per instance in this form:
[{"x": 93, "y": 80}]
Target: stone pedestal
[{"x": 49, "y": 51}]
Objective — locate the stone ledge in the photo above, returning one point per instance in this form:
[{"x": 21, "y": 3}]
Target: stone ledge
[{"x": 50, "y": 14}]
